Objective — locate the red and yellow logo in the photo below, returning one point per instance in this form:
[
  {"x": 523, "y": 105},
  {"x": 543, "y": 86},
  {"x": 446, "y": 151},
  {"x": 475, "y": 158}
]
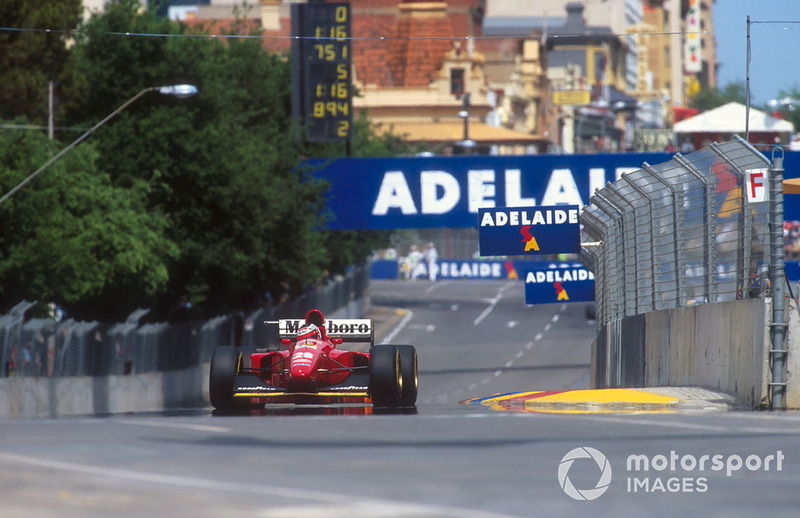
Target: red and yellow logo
[
  {"x": 528, "y": 239},
  {"x": 561, "y": 291}
]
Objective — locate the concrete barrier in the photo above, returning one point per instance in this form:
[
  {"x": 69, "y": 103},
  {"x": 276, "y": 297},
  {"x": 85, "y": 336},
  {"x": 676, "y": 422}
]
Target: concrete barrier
[
  {"x": 102, "y": 395},
  {"x": 31, "y": 396},
  {"x": 723, "y": 346},
  {"x": 792, "y": 395}
]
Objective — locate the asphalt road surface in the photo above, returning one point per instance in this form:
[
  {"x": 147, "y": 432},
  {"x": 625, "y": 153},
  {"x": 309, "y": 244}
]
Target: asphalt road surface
[{"x": 474, "y": 339}]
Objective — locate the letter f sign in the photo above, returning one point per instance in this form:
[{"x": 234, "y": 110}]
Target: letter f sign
[{"x": 757, "y": 182}]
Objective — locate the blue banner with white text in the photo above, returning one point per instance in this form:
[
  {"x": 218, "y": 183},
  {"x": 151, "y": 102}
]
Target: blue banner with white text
[
  {"x": 535, "y": 231},
  {"x": 548, "y": 283},
  {"x": 447, "y": 191},
  {"x": 467, "y": 269}
]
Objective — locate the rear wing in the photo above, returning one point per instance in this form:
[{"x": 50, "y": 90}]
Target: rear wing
[{"x": 348, "y": 329}]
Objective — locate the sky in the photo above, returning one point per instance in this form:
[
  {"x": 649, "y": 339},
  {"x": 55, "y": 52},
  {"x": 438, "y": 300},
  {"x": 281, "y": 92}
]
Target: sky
[{"x": 775, "y": 47}]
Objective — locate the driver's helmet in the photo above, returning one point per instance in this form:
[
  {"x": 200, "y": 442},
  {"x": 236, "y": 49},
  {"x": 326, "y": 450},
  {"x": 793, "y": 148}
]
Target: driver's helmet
[{"x": 308, "y": 332}]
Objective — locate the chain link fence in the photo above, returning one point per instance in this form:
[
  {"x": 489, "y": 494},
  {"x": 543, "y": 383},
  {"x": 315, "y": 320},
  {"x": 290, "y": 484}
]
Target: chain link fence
[
  {"x": 680, "y": 233},
  {"x": 45, "y": 347},
  {"x": 699, "y": 229}
]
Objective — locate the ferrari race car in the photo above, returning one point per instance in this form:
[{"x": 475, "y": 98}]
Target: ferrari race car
[{"x": 312, "y": 369}]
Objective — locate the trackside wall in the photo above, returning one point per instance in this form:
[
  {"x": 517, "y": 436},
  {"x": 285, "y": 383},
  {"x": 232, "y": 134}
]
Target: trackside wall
[
  {"x": 100, "y": 395},
  {"x": 163, "y": 366},
  {"x": 723, "y": 346}
]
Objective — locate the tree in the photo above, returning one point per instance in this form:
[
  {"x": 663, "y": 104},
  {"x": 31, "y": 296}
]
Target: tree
[
  {"x": 71, "y": 238},
  {"x": 222, "y": 165},
  {"x": 710, "y": 98},
  {"x": 225, "y": 166},
  {"x": 207, "y": 198},
  {"x": 790, "y": 112},
  {"x": 348, "y": 247},
  {"x": 24, "y": 88}
]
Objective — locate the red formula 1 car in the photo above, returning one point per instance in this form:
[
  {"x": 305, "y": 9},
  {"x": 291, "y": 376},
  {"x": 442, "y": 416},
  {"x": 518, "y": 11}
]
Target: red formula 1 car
[{"x": 312, "y": 369}]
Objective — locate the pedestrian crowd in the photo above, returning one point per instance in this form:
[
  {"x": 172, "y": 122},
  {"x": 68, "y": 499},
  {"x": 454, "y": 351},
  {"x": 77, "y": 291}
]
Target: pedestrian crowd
[{"x": 417, "y": 263}]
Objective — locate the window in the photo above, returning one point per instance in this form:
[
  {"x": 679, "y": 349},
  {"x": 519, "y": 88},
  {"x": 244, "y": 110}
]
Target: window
[{"x": 457, "y": 82}]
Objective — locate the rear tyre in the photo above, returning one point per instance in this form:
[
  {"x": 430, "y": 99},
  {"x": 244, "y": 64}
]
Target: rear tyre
[
  {"x": 224, "y": 366},
  {"x": 385, "y": 376},
  {"x": 408, "y": 364}
]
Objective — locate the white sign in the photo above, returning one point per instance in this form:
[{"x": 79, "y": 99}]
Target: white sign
[
  {"x": 757, "y": 185},
  {"x": 693, "y": 60}
]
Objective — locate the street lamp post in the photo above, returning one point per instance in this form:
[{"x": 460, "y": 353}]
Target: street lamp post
[
  {"x": 466, "y": 144},
  {"x": 181, "y": 91}
]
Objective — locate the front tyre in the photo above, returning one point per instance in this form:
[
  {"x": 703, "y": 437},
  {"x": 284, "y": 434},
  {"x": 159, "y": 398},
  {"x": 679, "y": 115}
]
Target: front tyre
[
  {"x": 225, "y": 364},
  {"x": 408, "y": 364},
  {"x": 385, "y": 376}
]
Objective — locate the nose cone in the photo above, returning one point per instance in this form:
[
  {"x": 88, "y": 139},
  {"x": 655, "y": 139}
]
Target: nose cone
[{"x": 304, "y": 358}]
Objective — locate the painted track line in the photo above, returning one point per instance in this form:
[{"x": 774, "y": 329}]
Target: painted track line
[
  {"x": 509, "y": 364},
  {"x": 406, "y": 318},
  {"x": 304, "y": 494},
  {"x": 492, "y": 303}
]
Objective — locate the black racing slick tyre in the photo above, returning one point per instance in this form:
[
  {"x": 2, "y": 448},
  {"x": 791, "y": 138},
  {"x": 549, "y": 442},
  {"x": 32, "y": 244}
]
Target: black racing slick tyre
[
  {"x": 224, "y": 365},
  {"x": 385, "y": 376},
  {"x": 408, "y": 365}
]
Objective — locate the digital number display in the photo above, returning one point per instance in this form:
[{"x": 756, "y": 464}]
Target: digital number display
[{"x": 321, "y": 69}]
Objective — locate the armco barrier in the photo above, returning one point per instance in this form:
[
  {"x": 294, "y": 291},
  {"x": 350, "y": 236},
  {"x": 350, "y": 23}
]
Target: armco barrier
[{"x": 66, "y": 368}]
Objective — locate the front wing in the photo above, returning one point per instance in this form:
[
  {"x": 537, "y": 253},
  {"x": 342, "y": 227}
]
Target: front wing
[{"x": 251, "y": 386}]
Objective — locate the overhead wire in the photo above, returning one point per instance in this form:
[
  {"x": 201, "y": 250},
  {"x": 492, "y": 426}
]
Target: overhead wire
[{"x": 76, "y": 32}]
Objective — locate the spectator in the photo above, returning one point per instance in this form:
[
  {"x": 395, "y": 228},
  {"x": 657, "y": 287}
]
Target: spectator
[
  {"x": 431, "y": 260},
  {"x": 413, "y": 263}
]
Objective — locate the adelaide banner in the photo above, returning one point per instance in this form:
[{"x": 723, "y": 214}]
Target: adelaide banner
[{"x": 448, "y": 191}]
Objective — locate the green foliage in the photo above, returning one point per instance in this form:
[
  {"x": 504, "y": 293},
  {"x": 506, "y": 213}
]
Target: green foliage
[
  {"x": 70, "y": 237},
  {"x": 111, "y": 66},
  {"x": 221, "y": 164},
  {"x": 24, "y": 88},
  {"x": 203, "y": 198},
  {"x": 790, "y": 112},
  {"x": 348, "y": 247},
  {"x": 710, "y": 98},
  {"x": 735, "y": 92}
]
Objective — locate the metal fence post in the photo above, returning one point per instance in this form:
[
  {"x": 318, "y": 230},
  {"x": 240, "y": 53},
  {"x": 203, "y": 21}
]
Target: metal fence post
[
  {"x": 630, "y": 274},
  {"x": 614, "y": 265},
  {"x": 777, "y": 282}
]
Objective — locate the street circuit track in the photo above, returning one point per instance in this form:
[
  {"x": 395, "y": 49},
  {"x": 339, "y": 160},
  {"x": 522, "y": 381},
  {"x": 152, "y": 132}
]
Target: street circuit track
[{"x": 446, "y": 459}]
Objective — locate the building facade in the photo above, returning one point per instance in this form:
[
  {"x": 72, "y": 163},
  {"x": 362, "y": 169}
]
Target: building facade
[{"x": 489, "y": 76}]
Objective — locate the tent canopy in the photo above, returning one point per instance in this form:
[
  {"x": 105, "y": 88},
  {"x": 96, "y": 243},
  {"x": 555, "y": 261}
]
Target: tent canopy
[{"x": 730, "y": 118}]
